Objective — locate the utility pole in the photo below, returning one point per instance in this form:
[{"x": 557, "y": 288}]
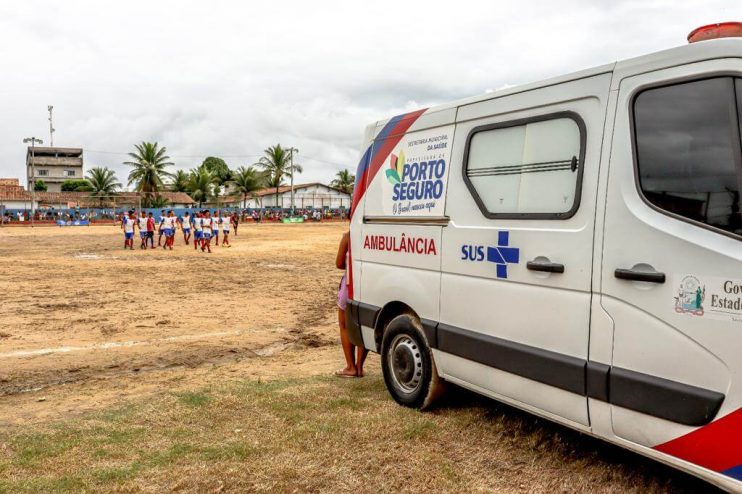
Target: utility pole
[
  {"x": 292, "y": 150},
  {"x": 50, "y": 108},
  {"x": 33, "y": 142}
]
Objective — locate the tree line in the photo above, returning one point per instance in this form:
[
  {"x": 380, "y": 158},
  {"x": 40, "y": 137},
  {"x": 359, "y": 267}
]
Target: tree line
[{"x": 149, "y": 175}]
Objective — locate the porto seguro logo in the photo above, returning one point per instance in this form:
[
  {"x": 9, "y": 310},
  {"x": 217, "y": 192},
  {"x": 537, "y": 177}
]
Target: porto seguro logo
[{"x": 417, "y": 181}]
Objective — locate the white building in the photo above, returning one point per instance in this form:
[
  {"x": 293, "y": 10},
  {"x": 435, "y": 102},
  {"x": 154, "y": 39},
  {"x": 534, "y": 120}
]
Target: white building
[{"x": 314, "y": 196}]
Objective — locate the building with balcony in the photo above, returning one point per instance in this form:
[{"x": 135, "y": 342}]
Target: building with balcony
[{"x": 53, "y": 165}]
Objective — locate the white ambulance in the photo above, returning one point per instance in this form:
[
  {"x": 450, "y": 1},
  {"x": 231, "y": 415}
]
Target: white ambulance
[{"x": 571, "y": 247}]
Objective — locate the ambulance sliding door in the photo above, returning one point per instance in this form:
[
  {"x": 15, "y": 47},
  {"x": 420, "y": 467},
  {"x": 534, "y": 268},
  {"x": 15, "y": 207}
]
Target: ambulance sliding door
[{"x": 517, "y": 253}]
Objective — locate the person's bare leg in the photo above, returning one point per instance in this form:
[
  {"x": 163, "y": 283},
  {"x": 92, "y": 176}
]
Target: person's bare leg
[
  {"x": 361, "y": 353},
  {"x": 348, "y": 347}
]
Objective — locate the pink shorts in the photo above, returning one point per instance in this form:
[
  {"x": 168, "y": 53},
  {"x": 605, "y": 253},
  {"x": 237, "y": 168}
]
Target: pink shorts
[{"x": 342, "y": 294}]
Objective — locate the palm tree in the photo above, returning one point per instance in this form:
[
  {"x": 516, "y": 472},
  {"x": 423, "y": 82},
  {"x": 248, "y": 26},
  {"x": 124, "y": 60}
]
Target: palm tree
[
  {"x": 200, "y": 183},
  {"x": 277, "y": 164},
  {"x": 149, "y": 166},
  {"x": 247, "y": 180},
  {"x": 179, "y": 181},
  {"x": 344, "y": 181},
  {"x": 103, "y": 182}
]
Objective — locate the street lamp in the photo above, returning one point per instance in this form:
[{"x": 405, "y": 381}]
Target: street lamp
[
  {"x": 292, "y": 151},
  {"x": 33, "y": 142}
]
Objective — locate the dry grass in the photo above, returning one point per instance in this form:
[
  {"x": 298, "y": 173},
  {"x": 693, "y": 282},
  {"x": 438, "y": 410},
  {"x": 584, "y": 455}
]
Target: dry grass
[{"x": 317, "y": 434}]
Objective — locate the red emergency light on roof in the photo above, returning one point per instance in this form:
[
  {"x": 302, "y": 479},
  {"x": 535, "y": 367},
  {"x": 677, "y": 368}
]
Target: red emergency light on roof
[{"x": 714, "y": 31}]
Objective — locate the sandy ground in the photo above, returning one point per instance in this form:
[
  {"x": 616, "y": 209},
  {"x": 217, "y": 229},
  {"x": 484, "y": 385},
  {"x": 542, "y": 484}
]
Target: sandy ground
[{"x": 86, "y": 323}]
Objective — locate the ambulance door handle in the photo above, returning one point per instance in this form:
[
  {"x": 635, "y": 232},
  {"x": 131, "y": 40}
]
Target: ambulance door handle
[
  {"x": 633, "y": 275},
  {"x": 546, "y": 267}
]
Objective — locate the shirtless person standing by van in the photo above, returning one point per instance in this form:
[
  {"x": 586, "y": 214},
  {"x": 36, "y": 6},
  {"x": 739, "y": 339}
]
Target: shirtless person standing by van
[{"x": 353, "y": 358}]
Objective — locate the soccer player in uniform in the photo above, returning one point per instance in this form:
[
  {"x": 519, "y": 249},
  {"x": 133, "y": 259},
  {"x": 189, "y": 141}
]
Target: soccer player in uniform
[
  {"x": 127, "y": 224},
  {"x": 206, "y": 224},
  {"x": 226, "y": 223},
  {"x": 151, "y": 230},
  {"x": 168, "y": 229},
  {"x": 185, "y": 225},
  {"x": 215, "y": 226},
  {"x": 142, "y": 225},
  {"x": 197, "y": 230},
  {"x": 159, "y": 229}
]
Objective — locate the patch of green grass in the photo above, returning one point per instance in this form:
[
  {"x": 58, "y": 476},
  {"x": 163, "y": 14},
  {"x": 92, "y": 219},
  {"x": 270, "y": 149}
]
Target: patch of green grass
[
  {"x": 345, "y": 402},
  {"x": 117, "y": 474},
  {"x": 194, "y": 399},
  {"x": 236, "y": 451},
  {"x": 180, "y": 433},
  {"x": 101, "y": 454},
  {"x": 172, "y": 454},
  {"x": 34, "y": 448},
  {"x": 65, "y": 483},
  {"x": 122, "y": 435},
  {"x": 419, "y": 428},
  {"x": 369, "y": 388},
  {"x": 118, "y": 414},
  {"x": 324, "y": 428},
  {"x": 449, "y": 472}
]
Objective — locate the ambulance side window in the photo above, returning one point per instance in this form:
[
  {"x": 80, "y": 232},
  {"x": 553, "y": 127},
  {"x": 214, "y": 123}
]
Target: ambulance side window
[
  {"x": 527, "y": 168},
  {"x": 688, "y": 152}
]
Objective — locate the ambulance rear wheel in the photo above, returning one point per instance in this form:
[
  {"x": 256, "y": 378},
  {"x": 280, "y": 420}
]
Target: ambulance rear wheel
[{"x": 407, "y": 363}]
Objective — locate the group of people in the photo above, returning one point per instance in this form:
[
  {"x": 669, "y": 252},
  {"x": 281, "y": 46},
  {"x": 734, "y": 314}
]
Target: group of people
[
  {"x": 206, "y": 227},
  {"x": 202, "y": 226}
]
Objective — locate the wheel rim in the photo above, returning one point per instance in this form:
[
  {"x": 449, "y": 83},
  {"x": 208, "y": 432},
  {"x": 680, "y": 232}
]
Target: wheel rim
[{"x": 405, "y": 363}]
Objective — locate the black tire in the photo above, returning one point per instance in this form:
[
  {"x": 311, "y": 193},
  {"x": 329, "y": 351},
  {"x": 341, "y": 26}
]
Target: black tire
[{"x": 407, "y": 363}]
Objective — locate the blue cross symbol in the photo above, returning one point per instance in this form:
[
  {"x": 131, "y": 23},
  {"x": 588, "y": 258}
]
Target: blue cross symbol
[{"x": 502, "y": 255}]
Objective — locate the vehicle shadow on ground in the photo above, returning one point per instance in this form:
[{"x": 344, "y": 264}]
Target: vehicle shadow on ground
[{"x": 575, "y": 445}]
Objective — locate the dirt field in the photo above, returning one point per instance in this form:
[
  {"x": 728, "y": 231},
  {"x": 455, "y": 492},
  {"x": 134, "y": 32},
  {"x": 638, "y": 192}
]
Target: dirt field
[{"x": 157, "y": 371}]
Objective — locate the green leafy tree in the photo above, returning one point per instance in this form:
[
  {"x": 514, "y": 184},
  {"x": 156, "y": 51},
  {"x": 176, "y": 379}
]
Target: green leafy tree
[
  {"x": 246, "y": 181},
  {"x": 220, "y": 172},
  {"x": 149, "y": 167},
  {"x": 277, "y": 165},
  {"x": 200, "y": 184},
  {"x": 76, "y": 185},
  {"x": 103, "y": 183},
  {"x": 344, "y": 181},
  {"x": 218, "y": 168},
  {"x": 40, "y": 186},
  {"x": 179, "y": 181}
]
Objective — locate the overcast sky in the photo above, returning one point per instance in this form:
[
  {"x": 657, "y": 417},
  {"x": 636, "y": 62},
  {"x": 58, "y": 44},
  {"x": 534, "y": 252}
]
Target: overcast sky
[{"x": 229, "y": 78}]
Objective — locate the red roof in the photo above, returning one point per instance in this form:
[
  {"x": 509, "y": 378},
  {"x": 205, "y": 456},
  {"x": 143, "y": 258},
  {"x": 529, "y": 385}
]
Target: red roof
[
  {"x": 18, "y": 193},
  {"x": 10, "y": 190}
]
